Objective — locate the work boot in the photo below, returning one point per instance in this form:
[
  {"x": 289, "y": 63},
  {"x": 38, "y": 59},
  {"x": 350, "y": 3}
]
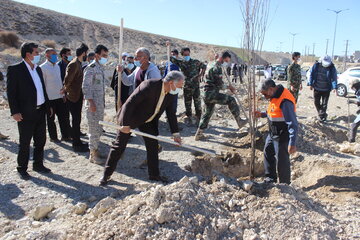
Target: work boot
[
  {"x": 187, "y": 120},
  {"x": 199, "y": 134},
  {"x": 3, "y": 137},
  {"x": 240, "y": 122},
  {"x": 104, "y": 180},
  {"x": 95, "y": 157}
]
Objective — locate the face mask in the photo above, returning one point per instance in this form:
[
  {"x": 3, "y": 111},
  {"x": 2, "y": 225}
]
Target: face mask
[
  {"x": 137, "y": 63},
  {"x": 36, "y": 59},
  {"x": 325, "y": 64},
  {"x": 103, "y": 61},
  {"x": 84, "y": 58},
  {"x": 53, "y": 58},
  {"x": 174, "y": 92},
  {"x": 187, "y": 58},
  {"x": 69, "y": 58},
  {"x": 225, "y": 64},
  {"x": 130, "y": 66},
  {"x": 299, "y": 61}
]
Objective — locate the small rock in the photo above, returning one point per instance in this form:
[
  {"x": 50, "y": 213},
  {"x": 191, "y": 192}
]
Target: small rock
[
  {"x": 41, "y": 211},
  {"x": 164, "y": 215},
  {"x": 80, "y": 208},
  {"x": 103, "y": 206},
  {"x": 92, "y": 199},
  {"x": 247, "y": 185}
]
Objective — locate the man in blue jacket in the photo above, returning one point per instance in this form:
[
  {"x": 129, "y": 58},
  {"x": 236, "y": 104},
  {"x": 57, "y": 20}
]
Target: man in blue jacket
[{"x": 323, "y": 79}]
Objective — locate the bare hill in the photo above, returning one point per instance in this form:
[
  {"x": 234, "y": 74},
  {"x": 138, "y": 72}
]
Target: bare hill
[{"x": 38, "y": 24}]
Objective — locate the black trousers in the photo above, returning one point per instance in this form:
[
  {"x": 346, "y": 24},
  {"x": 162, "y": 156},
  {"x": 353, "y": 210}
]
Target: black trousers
[
  {"x": 321, "y": 100},
  {"x": 75, "y": 110},
  {"x": 62, "y": 113},
  {"x": 276, "y": 159},
  {"x": 118, "y": 148},
  {"x": 32, "y": 129}
]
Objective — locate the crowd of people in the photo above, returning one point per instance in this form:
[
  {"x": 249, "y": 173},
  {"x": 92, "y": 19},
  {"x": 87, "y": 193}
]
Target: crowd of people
[{"x": 38, "y": 94}]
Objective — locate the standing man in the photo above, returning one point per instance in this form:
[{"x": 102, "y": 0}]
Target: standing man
[
  {"x": 94, "y": 93},
  {"x": 173, "y": 67},
  {"x": 294, "y": 76},
  {"x": 65, "y": 55},
  {"x": 213, "y": 84},
  {"x": 283, "y": 127},
  {"x": 355, "y": 85},
  {"x": 193, "y": 69},
  {"x": 89, "y": 59},
  {"x": 54, "y": 85},
  {"x": 144, "y": 70},
  {"x": 28, "y": 103},
  {"x": 74, "y": 96},
  {"x": 129, "y": 69},
  {"x": 142, "y": 110},
  {"x": 323, "y": 79}
]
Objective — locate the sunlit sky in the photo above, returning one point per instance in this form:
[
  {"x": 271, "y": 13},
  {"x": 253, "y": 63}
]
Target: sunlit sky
[{"x": 220, "y": 22}]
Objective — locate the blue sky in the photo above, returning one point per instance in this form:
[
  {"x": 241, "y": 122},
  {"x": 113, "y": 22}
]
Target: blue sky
[{"x": 220, "y": 22}]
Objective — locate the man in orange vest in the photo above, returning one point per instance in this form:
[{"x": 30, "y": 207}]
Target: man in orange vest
[{"x": 283, "y": 127}]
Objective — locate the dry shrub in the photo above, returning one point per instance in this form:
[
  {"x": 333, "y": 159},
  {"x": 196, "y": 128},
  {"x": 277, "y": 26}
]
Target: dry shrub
[
  {"x": 49, "y": 43},
  {"x": 10, "y": 39}
]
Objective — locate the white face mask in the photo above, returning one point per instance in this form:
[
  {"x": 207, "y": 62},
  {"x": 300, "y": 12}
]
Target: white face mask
[
  {"x": 176, "y": 91},
  {"x": 225, "y": 64},
  {"x": 36, "y": 59},
  {"x": 325, "y": 64}
]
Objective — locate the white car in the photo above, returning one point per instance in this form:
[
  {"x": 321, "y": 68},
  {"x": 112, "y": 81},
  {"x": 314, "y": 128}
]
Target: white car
[{"x": 344, "y": 80}]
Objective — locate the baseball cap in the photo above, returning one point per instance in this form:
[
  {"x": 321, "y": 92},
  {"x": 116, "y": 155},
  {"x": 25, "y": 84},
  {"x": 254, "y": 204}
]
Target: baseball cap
[{"x": 124, "y": 54}]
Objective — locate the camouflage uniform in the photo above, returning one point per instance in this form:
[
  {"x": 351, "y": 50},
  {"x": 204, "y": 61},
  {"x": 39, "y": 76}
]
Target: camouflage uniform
[
  {"x": 212, "y": 95},
  {"x": 294, "y": 79},
  {"x": 94, "y": 88},
  {"x": 191, "y": 70}
]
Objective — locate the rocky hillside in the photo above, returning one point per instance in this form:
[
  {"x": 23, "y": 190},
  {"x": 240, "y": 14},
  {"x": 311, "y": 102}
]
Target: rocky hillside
[{"x": 38, "y": 24}]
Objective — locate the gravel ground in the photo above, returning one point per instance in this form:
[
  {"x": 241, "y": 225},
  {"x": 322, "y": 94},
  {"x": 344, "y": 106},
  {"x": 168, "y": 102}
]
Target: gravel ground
[{"x": 321, "y": 203}]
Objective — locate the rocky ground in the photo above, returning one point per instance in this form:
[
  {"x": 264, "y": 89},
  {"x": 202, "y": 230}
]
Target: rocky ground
[{"x": 208, "y": 198}]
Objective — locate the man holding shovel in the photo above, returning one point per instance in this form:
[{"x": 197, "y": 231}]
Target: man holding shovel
[
  {"x": 213, "y": 84},
  {"x": 142, "y": 110}
]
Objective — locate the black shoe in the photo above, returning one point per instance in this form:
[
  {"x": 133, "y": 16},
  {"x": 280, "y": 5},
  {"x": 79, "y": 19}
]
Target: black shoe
[
  {"x": 159, "y": 179},
  {"x": 66, "y": 139},
  {"x": 81, "y": 148},
  {"x": 41, "y": 169},
  {"x": 54, "y": 140},
  {"x": 104, "y": 181},
  {"x": 24, "y": 175}
]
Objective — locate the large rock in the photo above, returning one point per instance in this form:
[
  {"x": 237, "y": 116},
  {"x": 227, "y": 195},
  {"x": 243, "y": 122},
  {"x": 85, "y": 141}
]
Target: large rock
[{"x": 41, "y": 211}]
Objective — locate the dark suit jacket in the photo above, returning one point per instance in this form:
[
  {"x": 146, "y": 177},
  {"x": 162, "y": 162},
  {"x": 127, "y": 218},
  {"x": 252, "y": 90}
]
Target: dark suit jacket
[
  {"x": 21, "y": 91},
  {"x": 73, "y": 80},
  {"x": 141, "y": 104}
]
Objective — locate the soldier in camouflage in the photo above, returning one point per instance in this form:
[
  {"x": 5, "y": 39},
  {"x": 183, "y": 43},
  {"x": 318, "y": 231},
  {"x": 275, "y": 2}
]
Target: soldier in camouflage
[
  {"x": 294, "y": 76},
  {"x": 193, "y": 70},
  {"x": 213, "y": 84},
  {"x": 94, "y": 92}
]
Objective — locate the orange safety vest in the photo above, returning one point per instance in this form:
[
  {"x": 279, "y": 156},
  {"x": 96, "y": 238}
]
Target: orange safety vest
[{"x": 274, "y": 112}]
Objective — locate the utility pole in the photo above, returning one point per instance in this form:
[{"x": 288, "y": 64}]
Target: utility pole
[
  {"x": 336, "y": 20},
  {"x": 345, "y": 57},
  {"x": 313, "y": 52},
  {"x": 327, "y": 44},
  {"x": 293, "y": 34}
]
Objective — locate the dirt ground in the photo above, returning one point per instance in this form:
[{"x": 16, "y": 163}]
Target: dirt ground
[{"x": 323, "y": 201}]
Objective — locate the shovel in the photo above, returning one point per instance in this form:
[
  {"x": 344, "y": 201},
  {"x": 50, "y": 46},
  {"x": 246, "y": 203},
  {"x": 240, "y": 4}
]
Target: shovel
[{"x": 161, "y": 139}]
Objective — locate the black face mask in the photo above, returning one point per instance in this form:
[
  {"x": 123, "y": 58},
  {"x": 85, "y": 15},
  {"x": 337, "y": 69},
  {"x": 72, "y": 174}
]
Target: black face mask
[{"x": 84, "y": 58}]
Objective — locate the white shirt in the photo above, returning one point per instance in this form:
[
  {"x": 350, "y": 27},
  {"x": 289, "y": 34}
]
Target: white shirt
[
  {"x": 37, "y": 82},
  {"x": 52, "y": 79}
]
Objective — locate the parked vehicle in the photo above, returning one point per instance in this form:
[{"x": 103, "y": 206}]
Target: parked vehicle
[
  {"x": 279, "y": 73},
  {"x": 259, "y": 70},
  {"x": 344, "y": 80}
]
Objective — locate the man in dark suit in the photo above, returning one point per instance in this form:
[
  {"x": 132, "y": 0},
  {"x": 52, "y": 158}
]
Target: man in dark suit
[
  {"x": 142, "y": 110},
  {"x": 72, "y": 87},
  {"x": 29, "y": 103}
]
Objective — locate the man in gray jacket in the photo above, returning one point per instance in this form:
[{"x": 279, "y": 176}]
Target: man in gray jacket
[{"x": 144, "y": 70}]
